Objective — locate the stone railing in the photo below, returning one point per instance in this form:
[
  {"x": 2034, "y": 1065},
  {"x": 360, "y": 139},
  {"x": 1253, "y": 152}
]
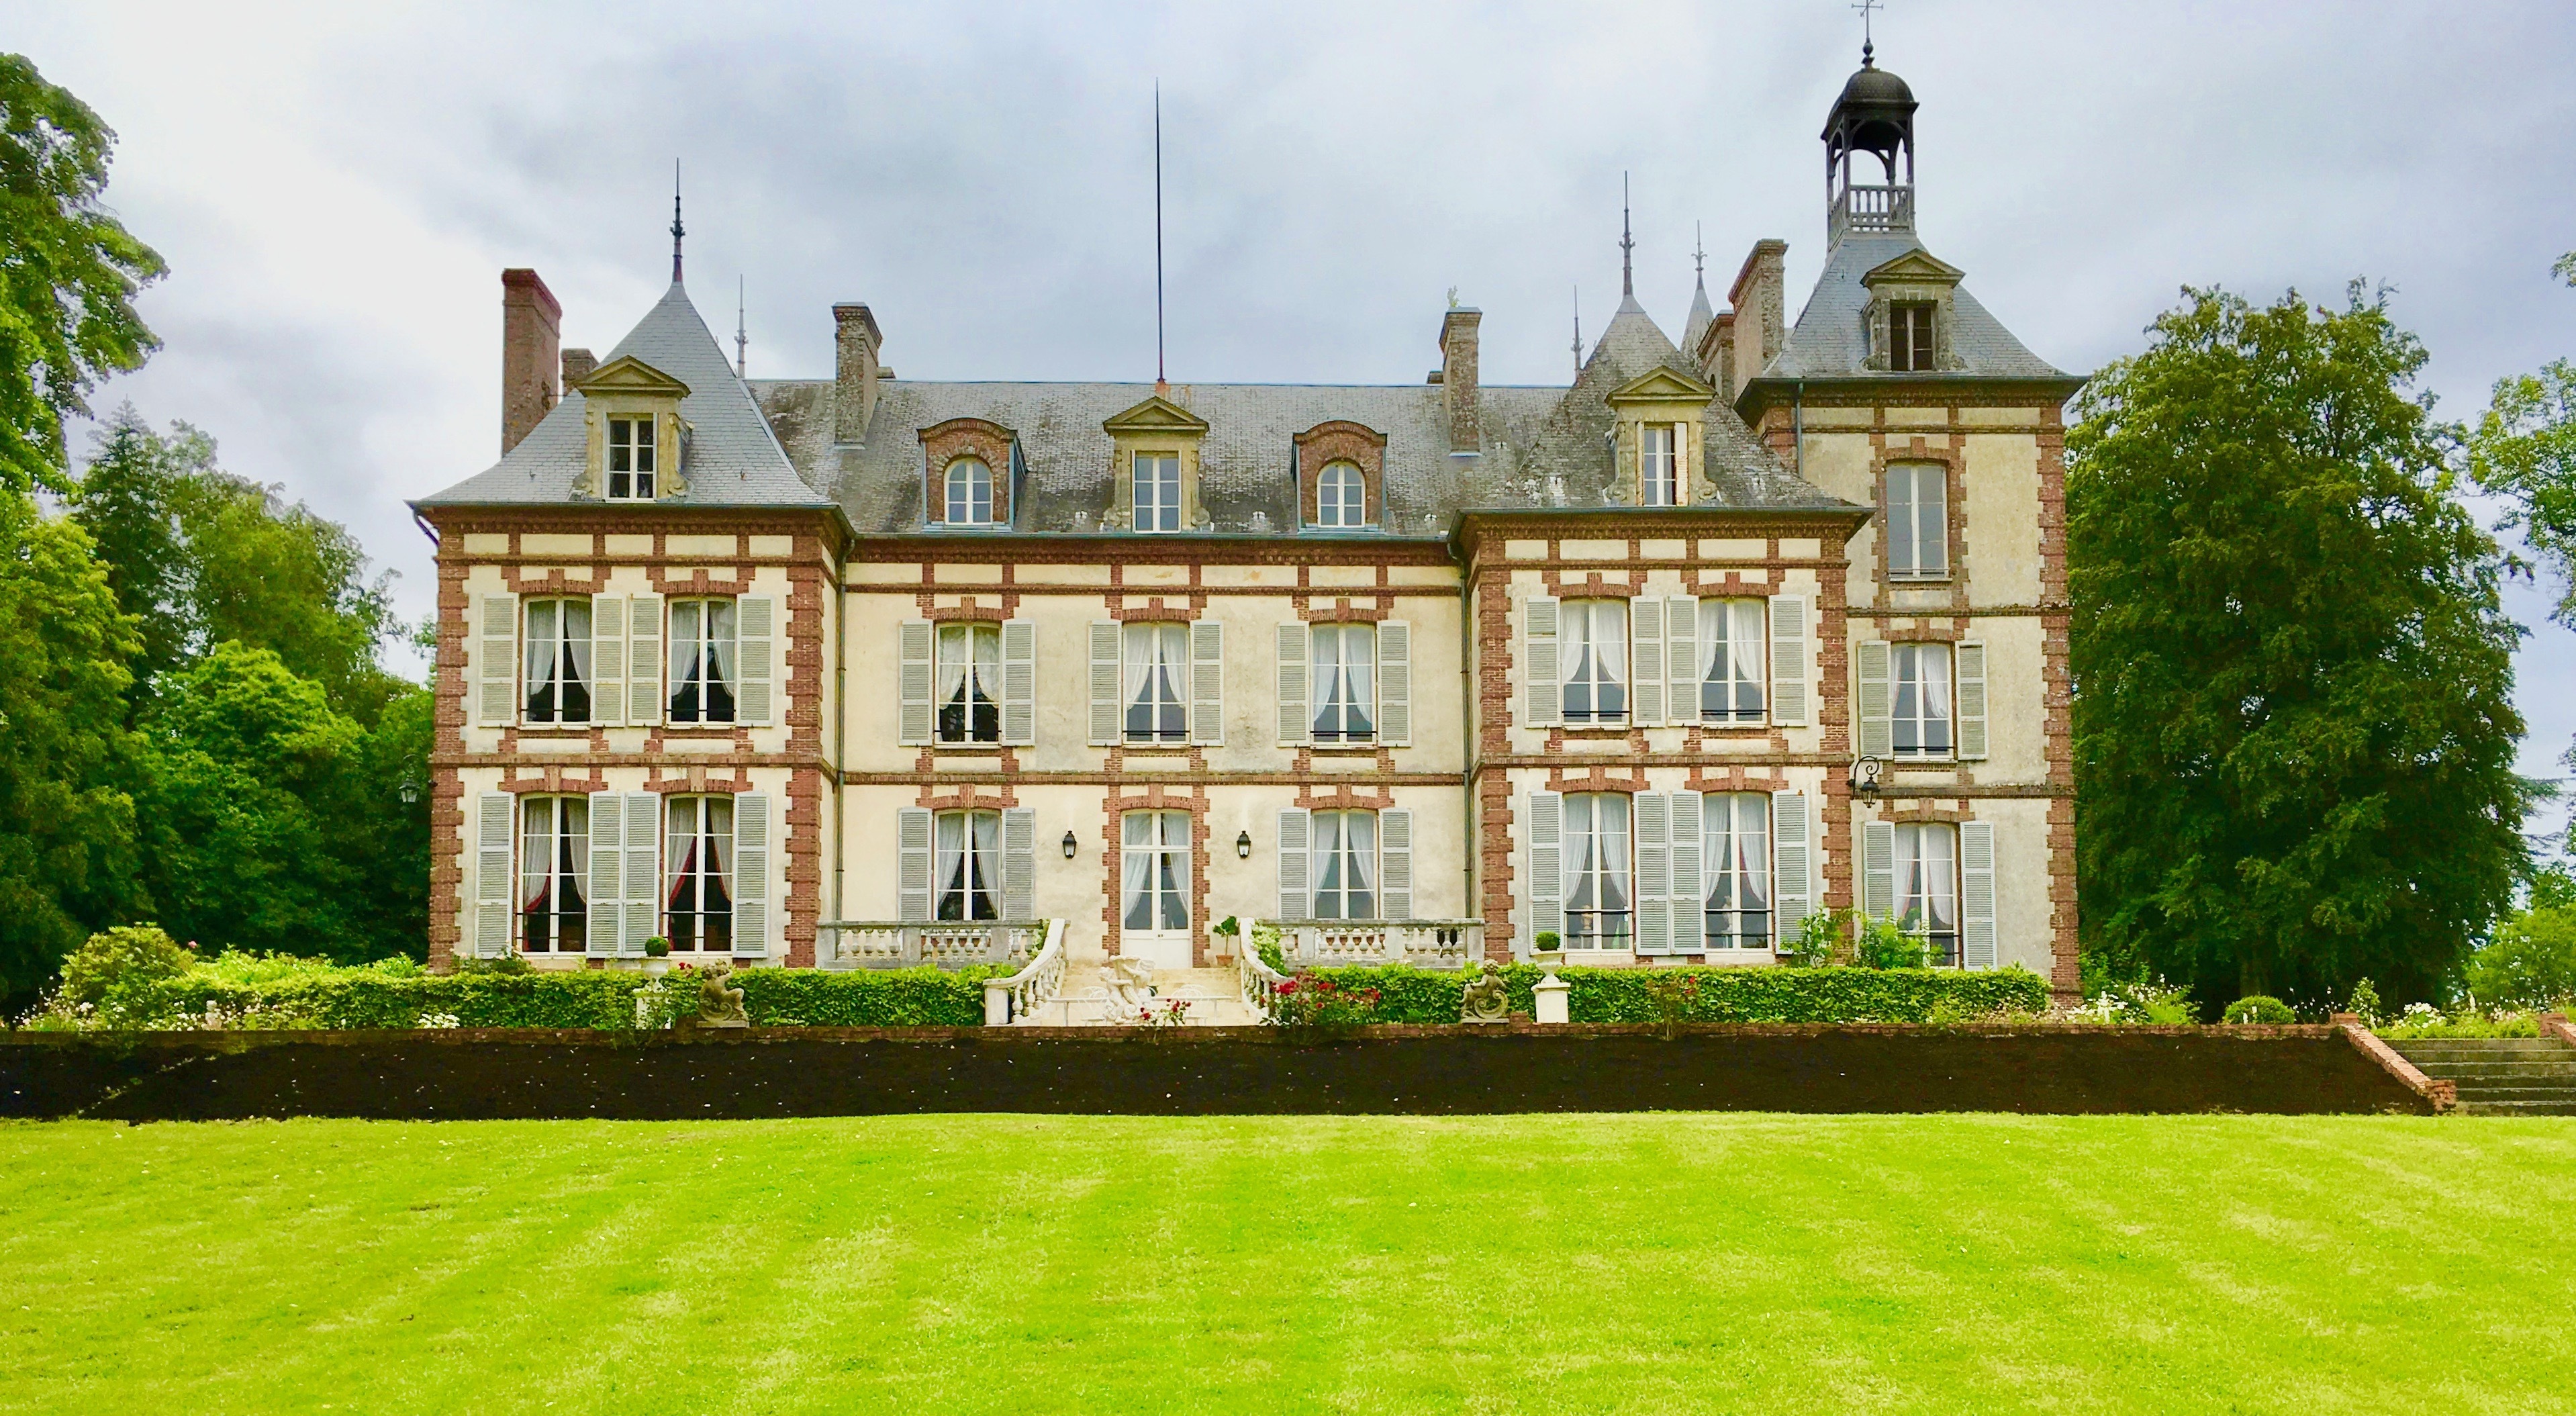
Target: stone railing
[
  {"x": 1259, "y": 982},
  {"x": 949, "y": 944},
  {"x": 1870, "y": 210},
  {"x": 1008, "y": 1000},
  {"x": 1423, "y": 943}
]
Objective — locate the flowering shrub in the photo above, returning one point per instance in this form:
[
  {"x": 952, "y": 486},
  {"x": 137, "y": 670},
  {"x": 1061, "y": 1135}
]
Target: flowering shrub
[
  {"x": 1172, "y": 1013},
  {"x": 1312, "y": 1001},
  {"x": 1718, "y": 995},
  {"x": 2260, "y": 1008},
  {"x": 2158, "y": 1003},
  {"x": 2425, "y": 1020}
]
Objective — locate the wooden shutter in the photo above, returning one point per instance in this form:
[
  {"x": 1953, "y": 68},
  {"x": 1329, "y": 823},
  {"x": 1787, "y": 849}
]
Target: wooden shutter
[
  {"x": 755, "y": 622},
  {"x": 1020, "y": 683},
  {"x": 1646, "y": 661},
  {"x": 1546, "y": 864},
  {"x": 913, "y": 641},
  {"x": 1689, "y": 893},
  {"x": 607, "y": 922},
  {"x": 1395, "y": 683},
  {"x": 1296, "y": 839},
  {"x": 1977, "y": 894},
  {"x": 644, "y": 700},
  {"x": 1104, "y": 683},
  {"x": 751, "y": 855},
  {"x": 1789, "y": 660},
  {"x": 1207, "y": 683},
  {"x": 1878, "y": 869},
  {"x": 608, "y": 660},
  {"x": 643, "y": 889},
  {"x": 494, "y": 821},
  {"x": 1793, "y": 865},
  {"x": 1654, "y": 879},
  {"x": 1020, "y": 864},
  {"x": 498, "y": 630},
  {"x": 1545, "y": 703},
  {"x": 1968, "y": 684},
  {"x": 912, "y": 864},
  {"x": 1395, "y": 863},
  {"x": 1296, "y": 718},
  {"x": 1877, "y": 700},
  {"x": 1681, "y": 659}
]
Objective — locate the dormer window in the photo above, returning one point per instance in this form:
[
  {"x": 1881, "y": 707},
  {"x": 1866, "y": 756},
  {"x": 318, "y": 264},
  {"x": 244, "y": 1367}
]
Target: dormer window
[
  {"x": 630, "y": 459},
  {"x": 1341, "y": 496},
  {"x": 970, "y": 492},
  {"x": 1912, "y": 300},
  {"x": 637, "y": 435},
  {"x": 1157, "y": 491},
  {"x": 1662, "y": 421},
  {"x": 1909, "y": 336},
  {"x": 1658, "y": 479}
]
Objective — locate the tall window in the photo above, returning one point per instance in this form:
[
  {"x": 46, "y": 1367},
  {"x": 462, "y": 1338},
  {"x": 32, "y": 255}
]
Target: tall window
[
  {"x": 1732, "y": 636},
  {"x": 970, "y": 864},
  {"x": 1158, "y": 491},
  {"x": 702, "y": 661},
  {"x": 1736, "y": 840},
  {"x": 1597, "y": 901},
  {"x": 1927, "y": 887},
  {"x": 1593, "y": 645},
  {"x": 970, "y": 682},
  {"x": 697, "y": 899},
  {"x": 554, "y": 874},
  {"x": 1345, "y": 682},
  {"x": 1658, "y": 471},
  {"x": 970, "y": 493},
  {"x": 1341, "y": 496},
  {"x": 1154, "y": 870},
  {"x": 630, "y": 459},
  {"x": 558, "y": 661},
  {"x": 1158, "y": 669},
  {"x": 1345, "y": 865},
  {"x": 1909, "y": 337},
  {"x": 1918, "y": 522},
  {"x": 1922, "y": 718}
]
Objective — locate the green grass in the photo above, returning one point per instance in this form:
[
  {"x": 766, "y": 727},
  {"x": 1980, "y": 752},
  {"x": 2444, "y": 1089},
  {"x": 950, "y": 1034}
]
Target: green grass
[{"x": 1021, "y": 1264}]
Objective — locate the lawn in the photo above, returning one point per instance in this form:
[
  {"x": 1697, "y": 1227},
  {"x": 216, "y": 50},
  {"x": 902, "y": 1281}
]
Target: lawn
[{"x": 1025, "y": 1264}]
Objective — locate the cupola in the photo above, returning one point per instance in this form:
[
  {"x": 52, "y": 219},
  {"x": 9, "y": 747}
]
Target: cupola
[{"x": 1874, "y": 115}]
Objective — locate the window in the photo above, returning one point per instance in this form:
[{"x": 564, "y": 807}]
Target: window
[
  {"x": 970, "y": 683},
  {"x": 1345, "y": 865},
  {"x": 1927, "y": 887},
  {"x": 1909, "y": 336},
  {"x": 1341, "y": 496},
  {"x": 1158, "y": 491},
  {"x": 554, "y": 874},
  {"x": 703, "y": 672},
  {"x": 697, "y": 900},
  {"x": 1731, "y": 647},
  {"x": 1595, "y": 652},
  {"x": 1597, "y": 901},
  {"x": 1158, "y": 663},
  {"x": 1918, "y": 524},
  {"x": 970, "y": 493},
  {"x": 1922, "y": 718},
  {"x": 1154, "y": 870},
  {"x": 1345, "y": 683},
  {"x": 1736, "y": 844},
  {"x": 630, "y": 459},
  {"x": 558, "y": 661},
  {"x": 1658, "y": 473},
  {"x": 970, "y": 864}
]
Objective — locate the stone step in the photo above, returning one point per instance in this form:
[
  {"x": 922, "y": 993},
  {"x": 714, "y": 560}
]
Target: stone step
[
  {"x": 2516, "y": 1091},
  {"x": 2554, "y": 1071},
  {"x": 2481, "y": 1046},
  {"x": 1215, "y": 997},
  {"x": 2483, "y": 1107}
]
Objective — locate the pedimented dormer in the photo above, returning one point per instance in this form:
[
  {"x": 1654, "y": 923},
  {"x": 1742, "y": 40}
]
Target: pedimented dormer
[
  {"x": 1911, "y": 320},
  {"x": 1662, "y": 425},
  {"x": 638, "y": 444},
  {"x": 1154, "y": 465}
]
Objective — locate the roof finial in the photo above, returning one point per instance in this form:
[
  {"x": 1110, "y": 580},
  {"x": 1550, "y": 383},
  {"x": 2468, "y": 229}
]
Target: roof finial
[
  {"x": 1578, "y": 332},
  {"x": 1162, "y": 387},
  {"x": 676, "y": 229},
  {"x": 1627, "y": 245},
  {"x": 1866, "y": 45},
  {"x": 741, "y": 333},
  {"x": 1699, "y": 256}
]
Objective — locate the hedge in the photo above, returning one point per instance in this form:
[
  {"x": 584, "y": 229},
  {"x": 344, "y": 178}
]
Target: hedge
[
  {"x": 924, "y": 997},
  {"x": 1725, "y": 995}
]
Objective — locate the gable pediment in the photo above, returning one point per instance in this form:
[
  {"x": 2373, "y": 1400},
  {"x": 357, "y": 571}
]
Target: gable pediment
[
  {"x": 1661, "y": 385},
  {"x": 633, "y": 377},
  {"x": 1915, "y": 267},
  {"x": 1156, "y": 414}
]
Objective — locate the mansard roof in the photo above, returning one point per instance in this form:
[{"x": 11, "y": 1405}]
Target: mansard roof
[{"x": 1831, "y": 338}]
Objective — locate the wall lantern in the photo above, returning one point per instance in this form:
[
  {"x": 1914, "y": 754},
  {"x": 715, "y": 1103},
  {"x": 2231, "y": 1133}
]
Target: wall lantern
[
  {"x": 1243, "y": 845},
  {"x": 1070, "y": 845},
  {"x": 409, "y": 791},
  {"x": 1864, "y": 777}
]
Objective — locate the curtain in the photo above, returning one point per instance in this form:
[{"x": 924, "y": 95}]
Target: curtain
[
  {"x": 1328, "y": 858},
  {"x": 536, "y": 852},
  {"x": 1140, "y": 672},
  {"x": 953, "y": 656},
  {"x": 986, "y": 832},
  {"x": 1327, "y": 641},
  {"x": 1359, "y": 663},
  {"x": 1167, "y": 868},
  {"x": 1582, "y": 863},
  {"x": 988, "y": 665},
  {"x": 1135, "y": 870},
  {"x": 576, "y": 833},
  {"x": 1610, "y": 641},
  {"x": 577, "y": 638},
  {"x": 685, "y": 616},
  {"x": 720, "y": 844},
  {"x": 1910, "y": 911},
  {"x": 720, "y": 632},
  {"x": 1935, "y": 663},
  {"x": 1744, "y": 652},
  {"x": 1941, "y": 905},
  {"x": 1359, "y": 843},
  {"x": 1612, "y": 821},
  {"x": 543, "y": 638},
  {"x": 950, "y": 845}
]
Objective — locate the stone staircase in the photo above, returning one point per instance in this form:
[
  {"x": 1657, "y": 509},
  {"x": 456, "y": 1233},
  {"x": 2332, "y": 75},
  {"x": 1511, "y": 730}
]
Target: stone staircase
[
  {"x": 2500, "y": 1076},
  {"x": 1215, "y": 995}
]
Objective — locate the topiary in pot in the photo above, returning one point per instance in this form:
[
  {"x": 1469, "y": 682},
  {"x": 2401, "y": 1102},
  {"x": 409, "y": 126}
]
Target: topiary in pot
[
  {"x": 2260, "y": 1008},
  {"x": 657, "y": 947}
]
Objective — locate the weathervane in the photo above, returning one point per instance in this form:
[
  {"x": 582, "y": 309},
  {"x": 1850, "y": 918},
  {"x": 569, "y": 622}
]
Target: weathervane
[
  {"x": 1627, "y": 245},
  {"x": 1577, "y": 346},
  {"x": 1161, "y": 386},
  {"x": 1699, "y": 254},
  {"x": 1865, "y": 6},
  {"x": 676, "y": 229},
  {"x": 741, "y": 333}
]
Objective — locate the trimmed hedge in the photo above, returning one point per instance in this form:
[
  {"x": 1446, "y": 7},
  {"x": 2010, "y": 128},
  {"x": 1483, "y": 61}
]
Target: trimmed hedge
[
  {"x": 925, "y": 997},
  {"x": 1725, "y": 995}
]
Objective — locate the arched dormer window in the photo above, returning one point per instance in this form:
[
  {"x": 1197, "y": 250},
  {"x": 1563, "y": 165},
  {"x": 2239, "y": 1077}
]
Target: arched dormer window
[
  {"x": 1341, "y": 496},
  {"x": 970, "y": 492}
]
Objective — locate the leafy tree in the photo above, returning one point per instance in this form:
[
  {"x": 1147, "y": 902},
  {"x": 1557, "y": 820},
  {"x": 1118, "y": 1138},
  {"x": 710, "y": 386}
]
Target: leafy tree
[
  {"x": 69, "y": 272},
  {"x": 67, "y": 827},
  {"x": 2530, "y": 963},
  {"x": 128, "y": 500},
  {"x": 2294, "y": 731}
]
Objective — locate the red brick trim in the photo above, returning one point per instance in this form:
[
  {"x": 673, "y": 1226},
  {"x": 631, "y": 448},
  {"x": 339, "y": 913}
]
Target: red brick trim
[
  {"x": 1342, "y": 796},
  {"x": 1115, "y": 807},
  {"x": 944, "y": 443},
  {"x": 1341, "y": 441},
  {"x": 1918, "y": 449},
  {"x": 966, "y": 796}
]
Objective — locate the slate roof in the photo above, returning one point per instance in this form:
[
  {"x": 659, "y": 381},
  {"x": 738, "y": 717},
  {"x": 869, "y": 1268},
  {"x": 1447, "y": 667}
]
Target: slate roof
[{"x": 1831, "y": 338}]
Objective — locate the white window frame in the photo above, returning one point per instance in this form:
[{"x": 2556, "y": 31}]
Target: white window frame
[
  {"x": 718, "y": 649},
  {"x": 1336, "y": 700},
  {"x": 1723, "y": 674},
  {"x": 1922, "y": 678},
  {"x": 1341, "y": 495},
  {"x": 1159, "y": 513},
  {"x": 1332, "y": 861},
  {"x": 1724, "y": 818},
  {"x": 983, "y": 699},
  {"x": 556, "y": 831},
  {"x": 1140, "y": 687},
  {"x": 968, "y": 493},
  {"x": 1918, "y": 529},
  {"x": 1659, "y": 464},
  {"x": 635, "y": 439},
  {"x": 567, "y": 663},
  {"x": 962, "y": 854},
  {"x": 1905, "y": 353},
  {"x": 1926, "y": 879},
  {"x": 1599, "y": 854},
  {"x": 1167, "y": 861},
  {"x": 691, "y": 826},
  {"x": 1584, "y": 628}
]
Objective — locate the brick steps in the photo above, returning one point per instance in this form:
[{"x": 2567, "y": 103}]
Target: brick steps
[{"x": 2500, "y": 1076}]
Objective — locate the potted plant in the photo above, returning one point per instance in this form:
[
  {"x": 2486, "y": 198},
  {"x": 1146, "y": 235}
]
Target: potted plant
[
  {"x": 1550, "y": 948},
  {"x": 1228, "y": 931},
  {"x": 657, "y": 954}
]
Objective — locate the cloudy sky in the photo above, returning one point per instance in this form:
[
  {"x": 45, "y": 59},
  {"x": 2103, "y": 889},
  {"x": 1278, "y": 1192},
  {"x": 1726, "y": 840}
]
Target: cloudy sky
[{"x": 336, "y": 189}]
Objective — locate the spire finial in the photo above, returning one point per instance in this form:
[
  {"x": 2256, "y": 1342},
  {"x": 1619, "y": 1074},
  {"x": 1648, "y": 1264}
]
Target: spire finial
[
  {"x": 741, "y": 332},
  {"x": 1162, "y": 388},
  {"x": 1699, "y": 256},
  {"x": 1627, "y": 245},
  {"x": 676, "y": 229},
  {"x": 1866, "y": 45},
  {"x": 1577, "y": 346}
]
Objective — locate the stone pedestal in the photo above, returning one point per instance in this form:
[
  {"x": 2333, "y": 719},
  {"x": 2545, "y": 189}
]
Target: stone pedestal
[{"x": 1548, "y": 998}]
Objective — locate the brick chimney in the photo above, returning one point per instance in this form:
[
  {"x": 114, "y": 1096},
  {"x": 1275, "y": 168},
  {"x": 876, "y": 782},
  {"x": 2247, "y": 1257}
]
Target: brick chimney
[
  {"x": 855, "y": 372},
  {"x": 1458, "y": 378},
  {"x": 578, "y": 364},
  {"x": 1757, "y": 298},
  {"x": 531, "y": 346}
]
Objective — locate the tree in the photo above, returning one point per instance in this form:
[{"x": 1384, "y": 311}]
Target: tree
[
  {"x": 69, "y": 272},
  {"x": 128, "y": 500},
  {"x": 2293, "y": 723}
]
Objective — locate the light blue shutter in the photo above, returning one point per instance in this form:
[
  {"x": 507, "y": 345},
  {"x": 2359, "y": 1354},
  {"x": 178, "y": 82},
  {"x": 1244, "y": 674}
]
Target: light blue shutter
[
  {"x": 755, "y": 619},
  {"x": 1977, "y": 894},
  {"x": 1654, "y": 872},
  {"x": 913, "y": 639},
  {"x": 752, "y": 850},
  {"x": 1878, "y": 869},
  {"x": 494, "y": 820},
  {"x": 912, "y": 865},
  {"x": 1104, "y": 683},
  {"x": 1395, "y": 863},
  {"x": 607, "y": 873},
  {"x": 1877, "y": 700},
  {"x": 1970, "y": 685},
  {"x": 1544, "y": 703},
  {"x": 1689, "y": 894},
  {"x": 1296, "y": 835},
  {"x": 1020, "y": 864},
  {"x": 643, "y": 890},
  {"x": 1207, "y": 683},
  {"x": 1395, "y": 683},
  {"x": 498, "y": 651},
  {"x": 1793, "y": 865},
  {"x": 644, "y": 701},
  {"x": 608, "y": 660},
  {"x": 1546, "y": 865},
  {"x": 1020, "y": 683},
  {"x": 1681, "y": 660},
  {"x": 1296, "y": 721},
  {"x": 1646, "y": 660},
  {"x": 1789, "y": 660}
]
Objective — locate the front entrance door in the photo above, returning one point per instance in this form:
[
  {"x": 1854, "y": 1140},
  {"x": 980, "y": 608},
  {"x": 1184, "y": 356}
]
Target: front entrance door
[{"x": 1154, "y": 888}]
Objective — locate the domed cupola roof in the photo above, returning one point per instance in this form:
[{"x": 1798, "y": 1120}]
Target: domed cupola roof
[{"x": 1875, "y": 112}]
